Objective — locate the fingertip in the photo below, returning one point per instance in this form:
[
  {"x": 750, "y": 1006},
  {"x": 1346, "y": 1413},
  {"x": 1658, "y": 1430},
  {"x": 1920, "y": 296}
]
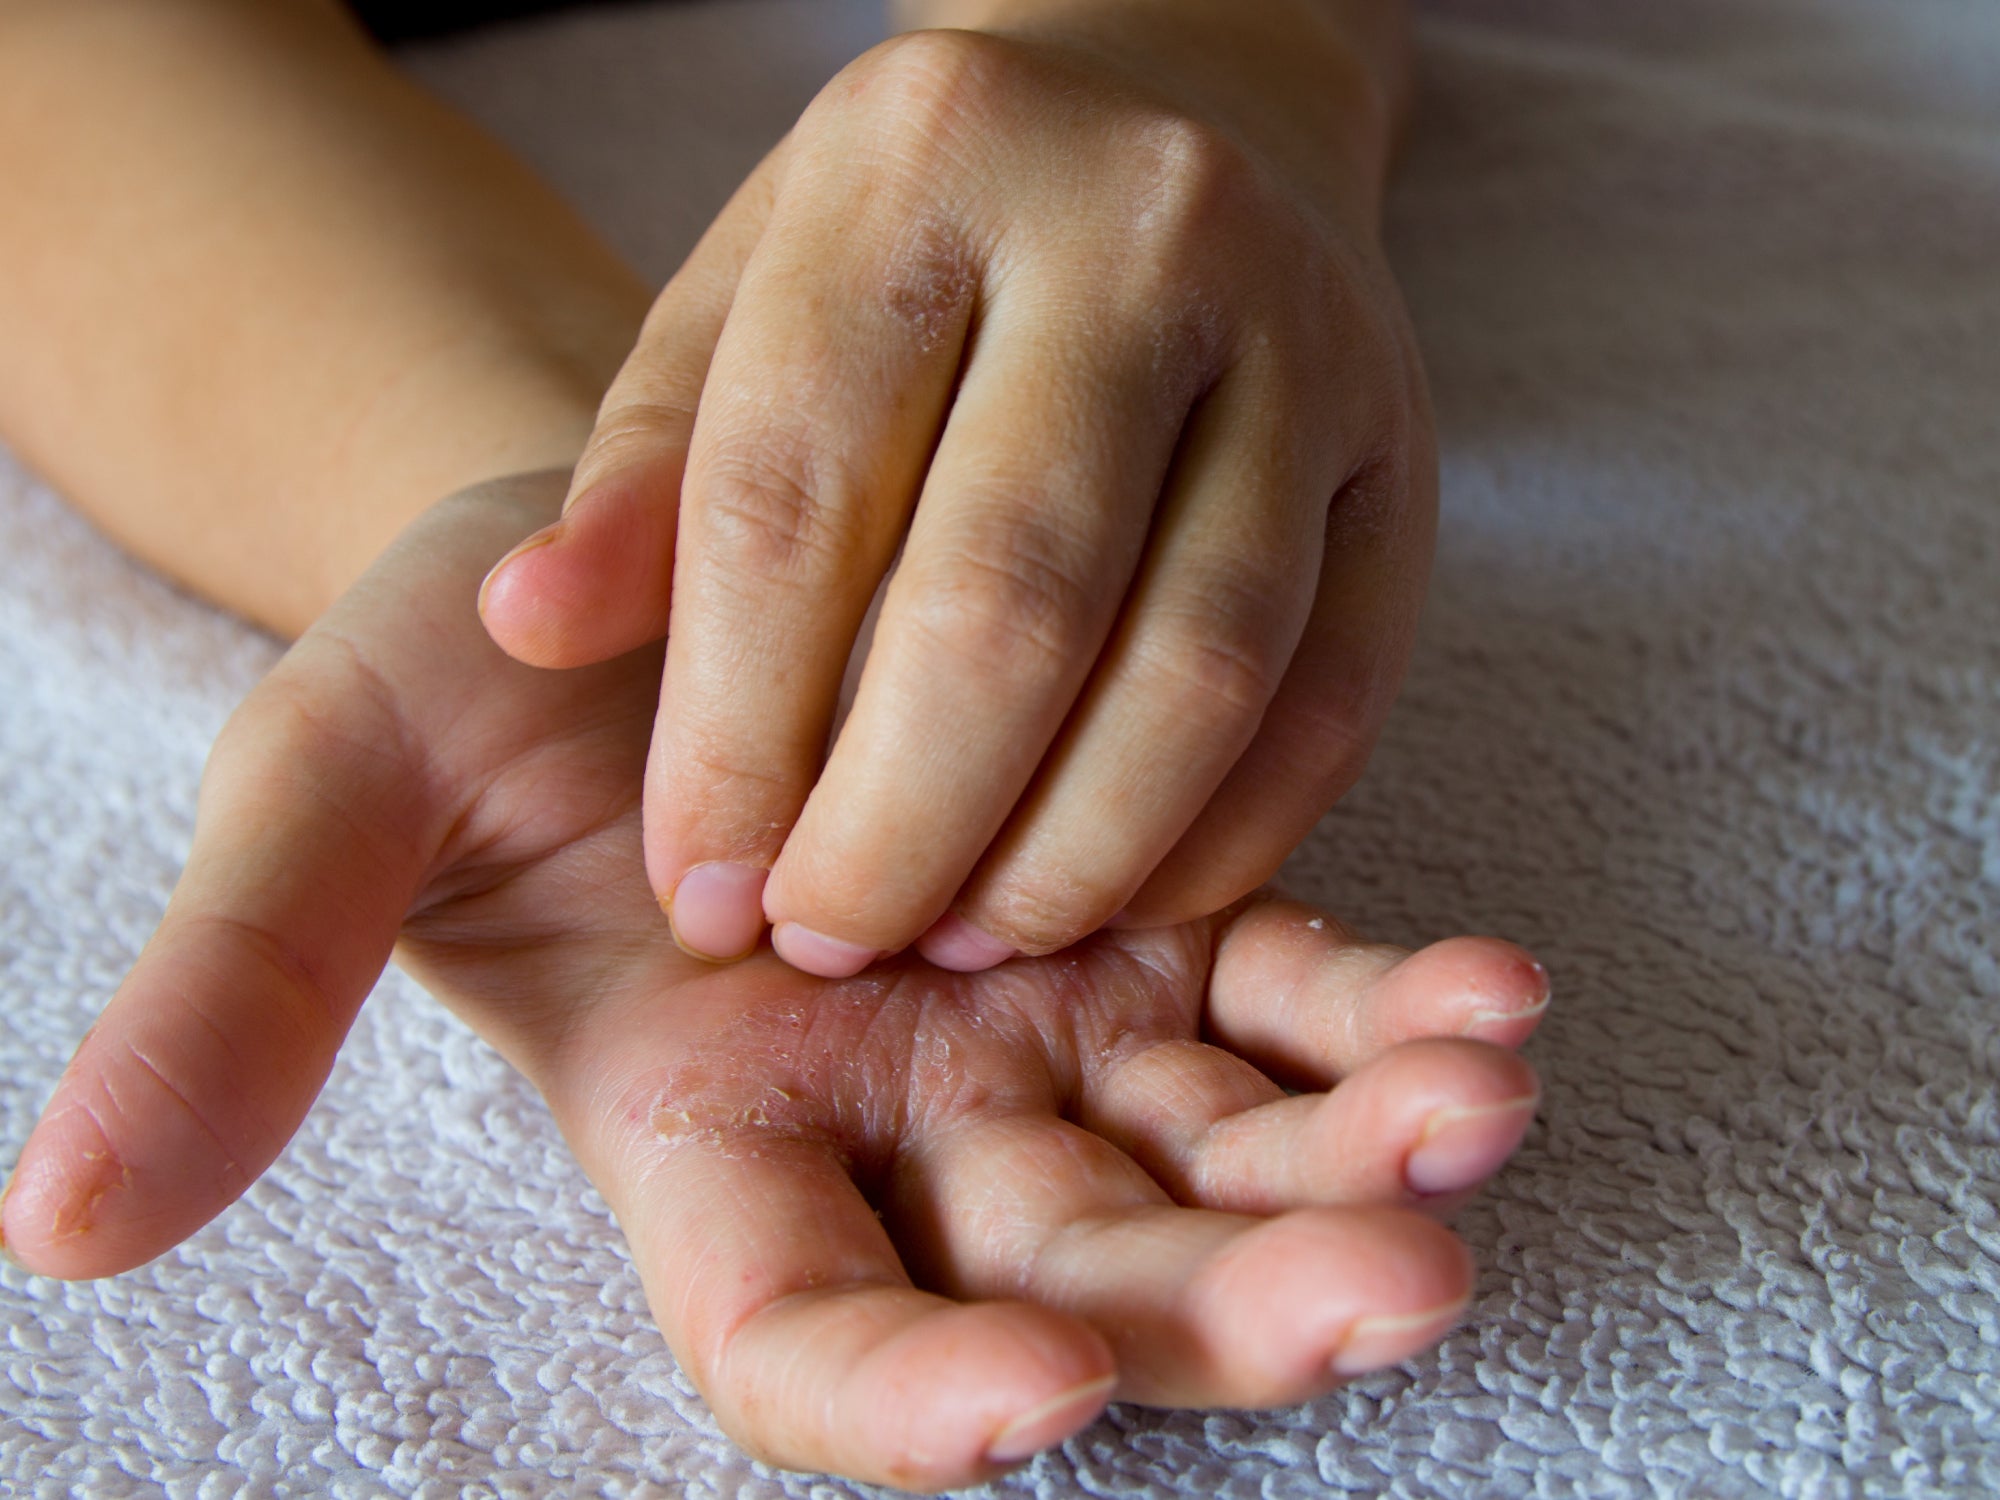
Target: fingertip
[
  {"x": 488, "y": 586},
  {"x": 819, "y": 955},
  {"x": 1005, "y": 1380},
  {"x": 956, "y": 944},
  {"x": 1376, "y": 1343},
  {"x": 1520, "y": 992},
  {"x": 716, "y": 910},
  {"x": 57, "y": 1214},
  {"x": 1322, "y": 1294},
  {"x": 515, "y": 604},
  {"x": 1486, "y": 987},
  {"x": 1050, "y": 1422},
  {"x": 891, "y": 1386},
  {"x": 1460, "y": 1146},
  {"x": 591, "y": 585}
]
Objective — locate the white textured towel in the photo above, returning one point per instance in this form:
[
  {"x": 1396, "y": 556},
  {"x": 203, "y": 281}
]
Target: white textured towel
[{"x": 1707, "y": 712}]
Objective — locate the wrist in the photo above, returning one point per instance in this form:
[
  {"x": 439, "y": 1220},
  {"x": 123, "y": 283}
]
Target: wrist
[
  {"x": 453, "y": 421},
  {"x": 1318, "y": 88}
]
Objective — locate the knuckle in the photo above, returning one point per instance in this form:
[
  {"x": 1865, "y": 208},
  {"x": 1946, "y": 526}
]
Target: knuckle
[
  {"x": 1332, "y": 737},
  {"x": 637, "y": 425},
  {"x": 776, "y": 513},
  {"x": 1005, "y": 601},
  {"x": 718, "y": 770},
  {"x": 1338, "y": 330},
  {"x": 630, "y": 435},
  {"x": 923, "y": 85},
  {"x": 1204, "y": 225},
  {"x": 1192, "y": 182},
  {"x": 1213, "y": 664}
]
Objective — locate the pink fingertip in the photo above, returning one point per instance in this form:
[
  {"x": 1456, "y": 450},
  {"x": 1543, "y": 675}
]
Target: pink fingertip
[
  {"x": 954, "y": 943},
  {"x": 540, "y": 539},
  {"x": 717, "y": 910},
  {"x": 1376, "y": 1343},
  {"x": 1462, "y": 1147},
  {"x": 817, "y": 954},
  {"x": 1049, "y": 1423},
  {"x": 1533, "y": 999}
]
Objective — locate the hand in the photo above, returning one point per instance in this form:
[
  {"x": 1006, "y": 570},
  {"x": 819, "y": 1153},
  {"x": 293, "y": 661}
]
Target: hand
[
  {"x": 1079, "y": 1198},
  {"x": 1133, "y": 393}
]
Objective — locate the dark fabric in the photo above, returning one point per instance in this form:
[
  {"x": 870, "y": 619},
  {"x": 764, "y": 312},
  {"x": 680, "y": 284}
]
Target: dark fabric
[{"x": 405, "y": 20}]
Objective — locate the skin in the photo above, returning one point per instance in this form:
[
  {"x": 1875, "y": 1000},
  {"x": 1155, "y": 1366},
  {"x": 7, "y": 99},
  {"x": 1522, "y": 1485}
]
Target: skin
[
  {"x": 277, "y": 302},
  {"x": 1078, "y": 317},
  {"x": 1090, "y": 1184}
]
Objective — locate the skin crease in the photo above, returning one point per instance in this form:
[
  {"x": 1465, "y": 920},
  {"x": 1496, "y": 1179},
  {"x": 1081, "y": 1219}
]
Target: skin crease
[
  {"x": 1121, "y": 668},
  {"x": 1089, "y": 1150}
]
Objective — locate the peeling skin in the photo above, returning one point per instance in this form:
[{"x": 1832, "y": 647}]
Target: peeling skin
[
  {"x": 930, "y": 286},
  {"x": 76, "y": 1214},
  {"x": 61, "y": 1230},
  {"x": 866, "y": 1066}
]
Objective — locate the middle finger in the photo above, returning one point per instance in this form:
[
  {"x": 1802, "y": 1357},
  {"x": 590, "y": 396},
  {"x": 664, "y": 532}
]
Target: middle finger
[
  {"x": 819, "y": 410},
  {"x": 1014, "y": 569}
]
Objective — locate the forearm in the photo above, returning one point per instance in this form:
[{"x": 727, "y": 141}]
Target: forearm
[
  {"x": 1321, "y": 86},
  {"x": 262, "y": 300}
]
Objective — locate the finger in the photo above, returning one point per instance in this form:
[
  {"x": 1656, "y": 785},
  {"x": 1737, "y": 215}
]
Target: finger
[
  {"x": 311, "y": 839},
  {"x": 1210, "y": 624},
  {"x": 1200, "y": 1308},
  {"x": 1426, "y": 1120},
  {"x": 1302, "y": 998},
  {"x": 1329, "y": 708},
  {"x": 785, "y": 1302},
  {"x": 821, "y": 408},
  {"x": 1006, "y": 590},
  {"x": 597, "y": 582}
]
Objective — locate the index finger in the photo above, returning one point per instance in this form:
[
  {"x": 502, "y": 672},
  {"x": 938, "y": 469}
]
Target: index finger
[{"x": 816, "y": 422}]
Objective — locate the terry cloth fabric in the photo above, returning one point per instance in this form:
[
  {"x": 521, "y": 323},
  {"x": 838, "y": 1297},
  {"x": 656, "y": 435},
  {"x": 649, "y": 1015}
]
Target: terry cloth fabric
[{"x": 1707, "y": 711}]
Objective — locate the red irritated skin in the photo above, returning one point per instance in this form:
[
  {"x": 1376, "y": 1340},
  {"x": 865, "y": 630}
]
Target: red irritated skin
[
  {"x": 1079, "y": 316},
  {"x": 908, "y": 1227}
]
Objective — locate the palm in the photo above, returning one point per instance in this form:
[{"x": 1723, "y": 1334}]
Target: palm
[{"x": 807, "y": 1170}]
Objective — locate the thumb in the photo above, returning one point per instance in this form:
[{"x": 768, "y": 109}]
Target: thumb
[
  {"x": 597, "y": 583},
  {"x": 310, "y": 843}
]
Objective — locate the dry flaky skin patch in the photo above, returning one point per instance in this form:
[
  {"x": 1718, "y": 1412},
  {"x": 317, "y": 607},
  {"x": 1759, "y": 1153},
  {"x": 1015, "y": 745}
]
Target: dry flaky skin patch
[
  {"x": 88, "y": 1177},
  {"x": 931, "y": 284},
  {"x": 74, "y": 1218},
  {"x": 863, "y": 1067}
]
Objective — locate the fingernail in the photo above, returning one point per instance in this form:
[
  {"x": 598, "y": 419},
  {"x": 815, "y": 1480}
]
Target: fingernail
[
  {"x": 717, "y": 910},
  {"x": 1533, "y": 1004},
  {"x": 1462, "y": 1147},
  {"x": 816, "y": 953},
  {"x": 1048, "y": 1424},
  {"x": 1376, "y": 1343},
  {"x": 540, "y": 539},
  {"x": 954, "y": 943}
]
